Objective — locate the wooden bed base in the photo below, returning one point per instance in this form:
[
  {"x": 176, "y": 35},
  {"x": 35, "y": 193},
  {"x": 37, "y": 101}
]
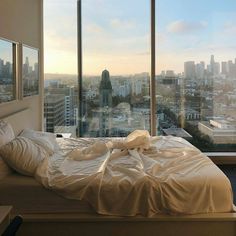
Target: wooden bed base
[{"x": 217, "y": 224}]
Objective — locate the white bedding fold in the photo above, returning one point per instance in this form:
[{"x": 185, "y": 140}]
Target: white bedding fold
[{"x": 160, "y": 174}]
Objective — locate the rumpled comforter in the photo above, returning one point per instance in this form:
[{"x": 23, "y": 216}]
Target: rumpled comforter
[{"x": 139, "y": 175}]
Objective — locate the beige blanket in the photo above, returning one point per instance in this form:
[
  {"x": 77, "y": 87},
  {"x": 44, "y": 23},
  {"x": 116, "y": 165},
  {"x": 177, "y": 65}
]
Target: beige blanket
[{"x": 139, "y": 175}]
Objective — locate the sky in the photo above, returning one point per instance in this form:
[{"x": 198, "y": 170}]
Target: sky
[
  {"x": 116, "y": 34},
  {"x": 32, "y": 55},
  {"x": 6, "y": 51}
]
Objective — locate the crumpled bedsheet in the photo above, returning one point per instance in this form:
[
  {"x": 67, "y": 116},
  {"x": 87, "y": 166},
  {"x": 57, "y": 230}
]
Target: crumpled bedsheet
[{"x": 138, "y": 175}]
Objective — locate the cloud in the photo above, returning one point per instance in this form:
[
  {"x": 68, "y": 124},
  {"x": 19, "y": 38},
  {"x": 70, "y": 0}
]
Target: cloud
[
  {"x": 110, "y": 44},
  {"x": 94, "y": 28},
  {"x": 229, "y": 28},
  {"x": 55, "y": 41},
  {"x": 147, "y": 53},
  {"x": 122, "y": 24},
  {"x": 184, "y": 27}
]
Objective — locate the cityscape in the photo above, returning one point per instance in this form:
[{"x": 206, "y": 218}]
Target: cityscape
[
  {"x": 197, "y": 104},
  {"x": 6, "y": 81},
  {"x": 30, "y": 72}
]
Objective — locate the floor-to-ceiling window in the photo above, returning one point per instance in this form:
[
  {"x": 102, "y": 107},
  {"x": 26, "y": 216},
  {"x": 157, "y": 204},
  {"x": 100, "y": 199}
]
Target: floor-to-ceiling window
[
  {"x": 196, "y": 72},
  {"x": 195, "y": 69},
  {"x": 115, "y": 67},
  {"x": 60, "y": 66}
]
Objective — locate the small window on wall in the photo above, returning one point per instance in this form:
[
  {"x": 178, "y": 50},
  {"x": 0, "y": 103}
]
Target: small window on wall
[
  {"x": 30, "y": 71},
  {"x": 7, "y": 71}
]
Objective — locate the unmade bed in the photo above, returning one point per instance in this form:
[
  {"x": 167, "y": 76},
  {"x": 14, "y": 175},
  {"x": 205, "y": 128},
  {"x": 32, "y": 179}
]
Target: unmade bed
[
  {"x": 27, "y": 196},
  {"x": 170, "y": 176},
  {"x": 47, "y": 213},
  {"x": 204, "y": 178}
]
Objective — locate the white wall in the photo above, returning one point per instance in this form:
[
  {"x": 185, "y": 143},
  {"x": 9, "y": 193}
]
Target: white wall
[{"x": 22, "y": 21}]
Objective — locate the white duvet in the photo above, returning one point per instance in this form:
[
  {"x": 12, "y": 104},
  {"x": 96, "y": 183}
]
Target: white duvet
[{"x": 139, "y": 175}]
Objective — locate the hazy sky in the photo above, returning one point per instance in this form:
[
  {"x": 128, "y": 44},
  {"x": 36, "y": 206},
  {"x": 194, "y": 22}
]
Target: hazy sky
[
  {"x": 116, "y": 34},
  {"x": 32, "y": 55},
  {"x": 6, "y": 51}
]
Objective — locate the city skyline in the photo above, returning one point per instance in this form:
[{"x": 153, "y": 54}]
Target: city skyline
[
  {"x": 31, "y": 54},
  {"x": 184, "y": 33},
  {"x": 6, "y": 50},
  {"x": 192, "y": 108},
  {"x": 206, "y": 63}
]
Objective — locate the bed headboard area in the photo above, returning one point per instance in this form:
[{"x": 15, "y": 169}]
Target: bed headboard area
[{"x": 19, "y": 120}]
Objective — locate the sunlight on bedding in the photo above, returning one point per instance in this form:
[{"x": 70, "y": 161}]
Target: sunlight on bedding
[{"x": 137, "y": 175}]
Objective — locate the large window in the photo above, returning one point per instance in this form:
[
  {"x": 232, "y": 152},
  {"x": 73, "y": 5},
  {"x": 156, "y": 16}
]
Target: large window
[
  {"x": 60, "y": 65},
  {"x": 195, "y": 79},
  {"x": 116, "y": 64},
  {"x": 196, "y": 72}
]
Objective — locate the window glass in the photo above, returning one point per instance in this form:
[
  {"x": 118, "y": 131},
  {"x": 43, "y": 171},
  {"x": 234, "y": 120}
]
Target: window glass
[
  {"x": 60, "y": 65},
  {"x": 116, "y": 64},
  {"x": 196, "y": 72},
  {"x": 30, "y": 71},
  {"x": 7, "y": 77}
]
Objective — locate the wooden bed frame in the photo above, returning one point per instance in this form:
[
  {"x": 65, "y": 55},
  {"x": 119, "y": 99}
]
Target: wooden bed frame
[{"x": 216, "y": 224}]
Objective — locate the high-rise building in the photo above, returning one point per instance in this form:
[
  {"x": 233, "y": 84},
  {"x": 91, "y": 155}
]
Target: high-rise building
[
  {"x": 8, "y": 69},
  {"x": 170, "y": 73},
  {"x": 70, "y": 106},
  {"x": 121, "y": 86},
  {"x": 189, "y": 69},
  {"x": 224, "y": 68},
  {"x": 1, "y": 66},
  {"x": 203, "y": 64},
  {"x": 105, "y": 90},
  {"x": 54, "y": 111},
  {"x": 212, "y": 65},
  {"x": 36, "y": 68},
  {"x": 199, "y": 70},
  {"x": 26, "y": 66},
  {"x": 232, "y": 69},
  {"x": 216, "y": 68}
]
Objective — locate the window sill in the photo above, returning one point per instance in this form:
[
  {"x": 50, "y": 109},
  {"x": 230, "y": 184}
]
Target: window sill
[{"x": 222, "y": 158}]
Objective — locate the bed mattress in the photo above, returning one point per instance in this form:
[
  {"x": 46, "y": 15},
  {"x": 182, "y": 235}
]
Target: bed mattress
[{"x": 26, "y": 196}]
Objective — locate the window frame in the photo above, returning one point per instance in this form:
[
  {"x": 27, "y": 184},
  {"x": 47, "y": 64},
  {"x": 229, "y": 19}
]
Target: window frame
[{"x": 15, "y": 71}]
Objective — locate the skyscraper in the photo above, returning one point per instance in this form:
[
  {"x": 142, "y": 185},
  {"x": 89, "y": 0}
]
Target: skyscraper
[
  {"x": 189, "y": 69},
  {"x": 212, "y": 64},
  {"x": 105, "y": 90},
  {"x": 26, "y": 66},
  {"x": 1, "y": 66},
  {"x": 54, "y": 107},
  {"x": 224, "y": 68},
  {"x": 199, "y": 69}
]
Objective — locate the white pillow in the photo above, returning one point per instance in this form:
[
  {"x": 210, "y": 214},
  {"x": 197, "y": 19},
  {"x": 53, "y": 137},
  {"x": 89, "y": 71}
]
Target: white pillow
[
  {"x": 6, "y": 136},
  {"x": 44, "y": 139},
  {"x": 6, "y": 133},
  {"x": 23, "y": 155}
]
